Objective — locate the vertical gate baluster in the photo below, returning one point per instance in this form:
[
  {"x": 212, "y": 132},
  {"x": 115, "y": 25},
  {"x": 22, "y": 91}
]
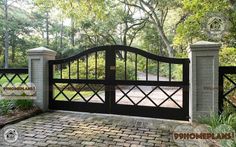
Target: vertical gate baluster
[
  {"x": 61, "y": 70},
  {"x": 146, "y": 69},
  {"x": 169, "y": 71},
  {"x": 77, "y": 68},
  {"x": 125, "y": 64},
  {"x": 87, "y": 66},
  {"x": 221, "y": 90},
  {"x": 136, "y": 67},
  {"x": 69, "y": 69},
  {"x": 96, "y": 56},
  {"x": 158, "y": 67},
  {"x": 51, "y": 87}
]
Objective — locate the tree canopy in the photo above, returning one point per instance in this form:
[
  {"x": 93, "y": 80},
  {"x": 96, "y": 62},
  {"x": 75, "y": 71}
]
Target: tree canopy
[{"x": 161, "y": 27}]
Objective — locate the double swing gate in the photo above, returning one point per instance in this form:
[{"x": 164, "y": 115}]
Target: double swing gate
[{"x": 120, "y": 80}]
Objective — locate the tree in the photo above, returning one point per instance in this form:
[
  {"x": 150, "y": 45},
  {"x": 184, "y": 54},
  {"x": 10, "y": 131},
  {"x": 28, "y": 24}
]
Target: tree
[
  {"x": 156, "y": 12},
  {"x": 6, "y": 40},
  {"x": 190, "y": 27},
  {"x": 15, "y": 22},
  {"x": 151, "y": 40},
  {"x": 129, "y": 24},
  {"x": 45, "y": 8}
]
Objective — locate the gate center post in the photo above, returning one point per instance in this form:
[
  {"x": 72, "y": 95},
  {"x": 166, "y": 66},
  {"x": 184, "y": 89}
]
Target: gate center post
[{"x": 110, "y": 73}]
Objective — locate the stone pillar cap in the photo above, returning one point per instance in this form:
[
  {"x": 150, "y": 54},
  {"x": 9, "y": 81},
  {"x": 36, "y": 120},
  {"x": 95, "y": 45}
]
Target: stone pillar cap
[
  {"x": 41, "y": 51},
  {"x": 204, "y": 46}
]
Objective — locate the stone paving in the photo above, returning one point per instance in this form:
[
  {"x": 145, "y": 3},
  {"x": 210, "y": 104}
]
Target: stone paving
[{"x": 63, "y": 129}]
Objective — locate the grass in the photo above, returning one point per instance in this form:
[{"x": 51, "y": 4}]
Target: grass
[
  {"x": 8, "y": 105},
  {"x": 228, "y": 117},
  {"x": 15, "y": 80},
  {"x": 215, "y": 120},
  {"x": 70, "y": 94}
]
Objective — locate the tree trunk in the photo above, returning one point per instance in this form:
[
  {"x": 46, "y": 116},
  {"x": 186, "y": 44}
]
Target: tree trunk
[
  {"x": 124, "y": 39},
  {"x": 13, "y": 48},
  {"x": 72, "y": 32},
  {"x": 56, "y": 38},
  {"x": 47, "y": 28},
  {"x": 61, "y": 37},
  {"x": 165, "y": 40},
  {"x": 6, "y": 40},
  {"x": 161, "y": 50}
]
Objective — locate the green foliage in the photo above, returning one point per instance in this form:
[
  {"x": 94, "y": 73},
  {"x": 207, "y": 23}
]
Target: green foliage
[
  {"x": 228, "y": 117},
  {"x": 24, "y": 104},
  {"x": 228, "y": 108},
  {"x": 82, "y": 69},
  {"x": 220, "y": 124},
  {"x": 228, "y": 56},
  {"x": 6, "y": 106},
  {"x": 151, "y": 40},
  {"x": 216, "y": 120},
  {"x": 230, "y": 38},
  {"x": 191, "y": 29},
  {"x": 99, "y": 22},
  {"x": 120, "y": 70}
]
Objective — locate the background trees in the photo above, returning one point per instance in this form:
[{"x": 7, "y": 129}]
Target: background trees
[{"x": 161, "y": 27}]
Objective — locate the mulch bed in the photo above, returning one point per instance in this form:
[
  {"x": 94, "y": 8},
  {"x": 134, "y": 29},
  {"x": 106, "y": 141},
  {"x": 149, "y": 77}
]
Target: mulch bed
[{"x": 18, "y": 115}]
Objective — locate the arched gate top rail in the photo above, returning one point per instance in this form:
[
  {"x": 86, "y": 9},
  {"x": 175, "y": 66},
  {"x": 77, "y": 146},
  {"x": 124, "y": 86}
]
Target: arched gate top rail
[{"x": 122, "y": 48}]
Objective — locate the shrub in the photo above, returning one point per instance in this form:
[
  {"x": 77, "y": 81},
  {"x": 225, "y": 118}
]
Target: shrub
[
  {"x": 228, "y": 56},
  {"x": 228, "y": 117},
  {"x": 24, "y": 104},
  {"x": 215, "y": 120},
  {"x": 6, "y": 106},
  {"x": 120, "y": 70}
]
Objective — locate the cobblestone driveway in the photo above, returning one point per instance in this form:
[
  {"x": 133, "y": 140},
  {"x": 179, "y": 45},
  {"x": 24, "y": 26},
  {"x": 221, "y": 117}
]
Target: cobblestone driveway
[{"x": 85, "y": 129}]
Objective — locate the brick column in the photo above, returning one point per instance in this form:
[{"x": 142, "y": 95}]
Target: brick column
[
  {"x": 204, "y": 66},
  {"x": 38, "y": 73}
]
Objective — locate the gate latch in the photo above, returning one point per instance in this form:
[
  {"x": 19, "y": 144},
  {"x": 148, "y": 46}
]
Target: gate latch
[{"x": 112, "y": 67}]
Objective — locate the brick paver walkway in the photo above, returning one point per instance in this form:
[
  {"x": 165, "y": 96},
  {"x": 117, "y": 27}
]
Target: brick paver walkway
[{"x": 83, "y": 129}]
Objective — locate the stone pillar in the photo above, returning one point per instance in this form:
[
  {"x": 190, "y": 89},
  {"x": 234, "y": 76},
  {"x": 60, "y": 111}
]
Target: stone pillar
[
  {"x": 38, "y": 73},
  {"x": 204, "y": 67}
]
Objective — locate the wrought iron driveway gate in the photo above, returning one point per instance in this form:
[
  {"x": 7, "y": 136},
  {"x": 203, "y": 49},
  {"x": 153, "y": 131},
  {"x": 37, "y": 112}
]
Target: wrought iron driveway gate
[{"x": 91, "y": 81}]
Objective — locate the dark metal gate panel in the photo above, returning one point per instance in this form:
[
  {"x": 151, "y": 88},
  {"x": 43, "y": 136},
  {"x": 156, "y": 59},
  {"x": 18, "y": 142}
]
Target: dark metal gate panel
[
  {"x": 80, "y": 82},
  {"x": 65, "y": 82},
  {"x": 134, "y": 108},
  {"x": 226, "y": 73}
]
